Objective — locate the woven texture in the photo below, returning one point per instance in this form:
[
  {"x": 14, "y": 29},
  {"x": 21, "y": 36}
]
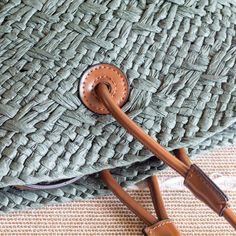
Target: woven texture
[
  {"x": 179, "y": 57},
  {"x": 106, "y": 216}
]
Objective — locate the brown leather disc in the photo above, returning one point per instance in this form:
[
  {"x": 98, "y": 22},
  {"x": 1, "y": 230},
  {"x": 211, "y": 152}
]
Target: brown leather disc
[{"x": 103, "y": 73}]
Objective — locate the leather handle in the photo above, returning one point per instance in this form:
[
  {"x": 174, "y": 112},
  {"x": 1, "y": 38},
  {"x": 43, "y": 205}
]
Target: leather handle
[
  {"x": 104, "y": 94},
  {"x": 195, "y": 179}
]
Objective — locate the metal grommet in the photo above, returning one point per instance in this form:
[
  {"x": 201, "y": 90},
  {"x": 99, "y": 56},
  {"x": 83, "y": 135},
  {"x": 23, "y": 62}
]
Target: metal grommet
[{"x": 103, "y": 73}]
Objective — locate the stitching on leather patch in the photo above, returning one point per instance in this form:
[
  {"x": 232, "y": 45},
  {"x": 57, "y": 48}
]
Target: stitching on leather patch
[
  {"x": 158, "y": 226},
  {"x": 222, "y": 198},
  {"x": 204, "y": 178}
]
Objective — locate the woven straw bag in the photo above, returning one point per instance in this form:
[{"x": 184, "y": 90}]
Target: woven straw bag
[{"x": 177, "y": 57}]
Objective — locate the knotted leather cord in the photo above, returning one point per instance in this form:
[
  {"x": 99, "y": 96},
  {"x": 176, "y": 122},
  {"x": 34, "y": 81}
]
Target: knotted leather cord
[{"x": 181, "y": 167}]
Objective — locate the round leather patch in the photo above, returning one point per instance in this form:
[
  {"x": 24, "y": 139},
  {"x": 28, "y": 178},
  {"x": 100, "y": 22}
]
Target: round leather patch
[{"x": 103, "y": 73}]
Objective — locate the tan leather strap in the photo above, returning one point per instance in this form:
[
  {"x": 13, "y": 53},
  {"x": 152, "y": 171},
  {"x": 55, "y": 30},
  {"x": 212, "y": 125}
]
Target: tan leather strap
[
  {"x": 138, "y": 133},
  {"x": 157, "y": 198},
  {"x": 194, "y": 176},
  {"x": 230, "y": 216},
  {"x": 126, "y": 199},
  {"x": 161, "y": 226}
]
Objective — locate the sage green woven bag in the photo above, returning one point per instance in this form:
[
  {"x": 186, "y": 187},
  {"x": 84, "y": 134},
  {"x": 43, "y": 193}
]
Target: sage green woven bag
[{"x": 179, "y": 58}]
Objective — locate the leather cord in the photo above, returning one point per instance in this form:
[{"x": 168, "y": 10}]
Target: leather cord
[
  {"x": 157, "y": 199},
  {"x": 126, "y": 199},
  {"x": 182, "y": 156},
  {"x": 229, "y": 215},
  {"x": 195, "y": 179},
  {"x": 138, "y": 133},
  {"x": 160, "y": 226}
]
